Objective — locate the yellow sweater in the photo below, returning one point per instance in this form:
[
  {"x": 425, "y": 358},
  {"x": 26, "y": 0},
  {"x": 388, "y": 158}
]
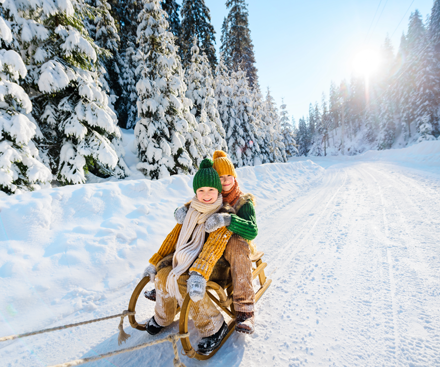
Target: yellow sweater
[{"x": 212, "y": 250}]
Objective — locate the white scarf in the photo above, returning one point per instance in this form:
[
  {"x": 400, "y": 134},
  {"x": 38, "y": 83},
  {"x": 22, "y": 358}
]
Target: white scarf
[{"x": 190, "y": 241}]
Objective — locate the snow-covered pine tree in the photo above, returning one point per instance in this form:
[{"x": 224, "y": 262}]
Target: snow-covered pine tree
[
  {"x": 79, "y": 132},
  {"x": 302, "y": 137},
  {"x": 237, "y": 47},
  {"x": 387, "y": 127},
  {"x": 127, "y": 12},
  {"x": 172, "y": 9},
  {"x": 162, "y": 107},
  {"x": 223, "y": 92},
  {"x": 126, "y": 103},
  {"x": 424, "y": 72},
  {"x": 201, "y": 91},
  {"x": 287, "y": 131},
  {"x": 103, "y": 31},
  {"x": 261, "y": 132},
  {"x": 371, "y": 125},
  {"x": 236, "y": 118},
  {"x": 20, "y": 169},
  {"x": 277, "y": 145},
  {"x": 399, "y": 88},
  {"x": 434, "y": 40},
  {"x": 196, "y": 21}
]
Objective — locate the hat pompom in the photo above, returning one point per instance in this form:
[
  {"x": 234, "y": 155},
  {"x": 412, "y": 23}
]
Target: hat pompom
[
  {"x": 206, "y": 163},
  {"x": 219, "y": 154}
]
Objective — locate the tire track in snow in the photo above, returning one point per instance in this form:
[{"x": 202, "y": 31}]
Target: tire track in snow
[
  {"x": 422, "y": 337},
  {"x": 296, "y": 244}
]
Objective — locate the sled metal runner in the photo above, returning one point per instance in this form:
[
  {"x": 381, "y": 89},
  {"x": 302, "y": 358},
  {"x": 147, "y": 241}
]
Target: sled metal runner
[{"x": 221, "y": 296}]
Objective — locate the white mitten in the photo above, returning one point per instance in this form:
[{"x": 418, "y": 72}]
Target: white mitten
[
  {"x": 180, "y": 214},
  {"x": 196, "y": 286},
  {"x": 217, "y": 221},
  {"x": 150, "y": 270}
]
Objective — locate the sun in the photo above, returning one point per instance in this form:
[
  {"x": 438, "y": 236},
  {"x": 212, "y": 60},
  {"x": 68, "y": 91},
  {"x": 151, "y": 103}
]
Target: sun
[{"x": 366, "y": 62}]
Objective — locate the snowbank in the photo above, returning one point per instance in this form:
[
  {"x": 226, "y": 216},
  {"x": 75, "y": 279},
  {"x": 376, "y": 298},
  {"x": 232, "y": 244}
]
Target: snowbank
[
  {"x": 425, "y": 154},
  {"x": 66, "y": 251}
]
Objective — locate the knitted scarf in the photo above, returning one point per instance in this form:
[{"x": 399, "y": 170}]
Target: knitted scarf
[
  {"x": 231, "y": 197},
  {"x": 190, "y": 241}
]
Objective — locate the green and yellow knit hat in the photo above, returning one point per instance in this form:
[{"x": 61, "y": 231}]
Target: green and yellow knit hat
[{"x": 207, "y": 176}]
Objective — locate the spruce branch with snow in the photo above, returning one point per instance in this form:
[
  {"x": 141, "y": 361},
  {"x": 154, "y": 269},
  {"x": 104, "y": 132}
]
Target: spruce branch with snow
[
  {"x": 78, "y": 128},
  {"x": 236, "y": 42},
  {"x": 20, "y": 169},
  {"x": 196, "y": 22},
  {"x": 287, "y": 132},
  {"x": 164, "y": 116},
  {"x": 201, "y": 91}
]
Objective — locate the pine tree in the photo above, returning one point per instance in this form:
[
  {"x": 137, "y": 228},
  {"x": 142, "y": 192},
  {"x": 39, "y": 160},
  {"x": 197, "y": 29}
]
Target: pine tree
[
  {"x": 172, "y": 9},
  {"x": 20, "y": 169},
  {"x": 239, "y": 132},
  {"x": 79, "y": 132},
  {"x": 276, "y": 138},
  {"x": 237, "y": 47},
  {"x": 103, "y": 31},
  {"x": 160, "y": 132},
  {"x": 259, "y": 123},
  {"x": 127, "y": 13},
  {"x": 223, "y": 93},
  {"x": 126, "y": 103},
  {"x": 196, "y": 22},
  {"x": 302, "y": 137},
  {"x": 201, "y": 91},
  {"x": 387, "y": 127},
  {"x": 287, "y": 131},
  {"x": 434, "y": 39}
]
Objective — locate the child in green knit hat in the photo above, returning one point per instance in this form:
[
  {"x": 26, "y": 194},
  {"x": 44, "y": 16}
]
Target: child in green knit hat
[{"x": 173, "y": 282}]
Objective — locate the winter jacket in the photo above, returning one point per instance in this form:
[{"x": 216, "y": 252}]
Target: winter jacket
[{"x": 243, "y": 223}]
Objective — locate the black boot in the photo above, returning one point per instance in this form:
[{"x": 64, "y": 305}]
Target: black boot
[
  {"x": 151, "y": 295},
  {"x": 153, "y": 327},
  {"x": 209, "y": 343}
]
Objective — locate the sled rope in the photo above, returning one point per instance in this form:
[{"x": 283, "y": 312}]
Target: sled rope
[
  {"x": 123, "y": 336},
  {"x": 121, "y": 315},
  {"x": 172, "y": 338}
]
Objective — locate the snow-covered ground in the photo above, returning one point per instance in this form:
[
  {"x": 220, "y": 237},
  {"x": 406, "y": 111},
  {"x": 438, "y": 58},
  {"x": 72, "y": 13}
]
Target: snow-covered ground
[{"x": 352, "y": 245}]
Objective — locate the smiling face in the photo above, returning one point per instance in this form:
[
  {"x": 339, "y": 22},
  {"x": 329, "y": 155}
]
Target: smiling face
[
  {"x": 207, "y": 195},
  {"x": 227, "y": 182}
]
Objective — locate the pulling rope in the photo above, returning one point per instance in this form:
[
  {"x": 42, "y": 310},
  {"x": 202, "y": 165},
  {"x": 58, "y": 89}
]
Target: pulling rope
[
  {"x": 122, "y": 337},
  {"x": 172, "y": 338}
]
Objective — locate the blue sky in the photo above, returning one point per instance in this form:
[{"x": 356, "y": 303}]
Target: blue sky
[{"x": 301, "y": 46}]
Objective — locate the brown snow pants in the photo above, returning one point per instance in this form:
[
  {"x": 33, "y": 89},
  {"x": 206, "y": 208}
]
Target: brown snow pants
[
  {"x": 237, "y": 253},
  {"x": 207, "y": 318}
]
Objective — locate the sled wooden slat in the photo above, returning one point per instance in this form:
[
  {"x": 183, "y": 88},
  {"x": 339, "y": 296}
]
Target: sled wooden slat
[
  {"x": 133, "y": 301},
  {"x": 257, "y": 256},
  {"x": 222, "y": 298},
  {"x": 258, "y": 270},
  {"x": 262, "y": 290},
  {"x": 132, "y": 304},
  {"x": 186, "y": 344},
  {"x": 217, "y": 302},
  {"x": 262, "y": 276}
]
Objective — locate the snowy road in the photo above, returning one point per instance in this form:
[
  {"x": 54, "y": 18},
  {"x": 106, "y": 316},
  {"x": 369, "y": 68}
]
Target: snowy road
[
  {"x": 356, "y": 272},
  {"x": 355, "y": 262}
]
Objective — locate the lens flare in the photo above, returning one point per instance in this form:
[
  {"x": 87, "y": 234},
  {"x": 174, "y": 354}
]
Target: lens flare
[{"x": 366, "y": 62}]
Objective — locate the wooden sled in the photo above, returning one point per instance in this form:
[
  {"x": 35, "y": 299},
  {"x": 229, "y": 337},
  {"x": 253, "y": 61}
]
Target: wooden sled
[{"x": 222, "y": 297}]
